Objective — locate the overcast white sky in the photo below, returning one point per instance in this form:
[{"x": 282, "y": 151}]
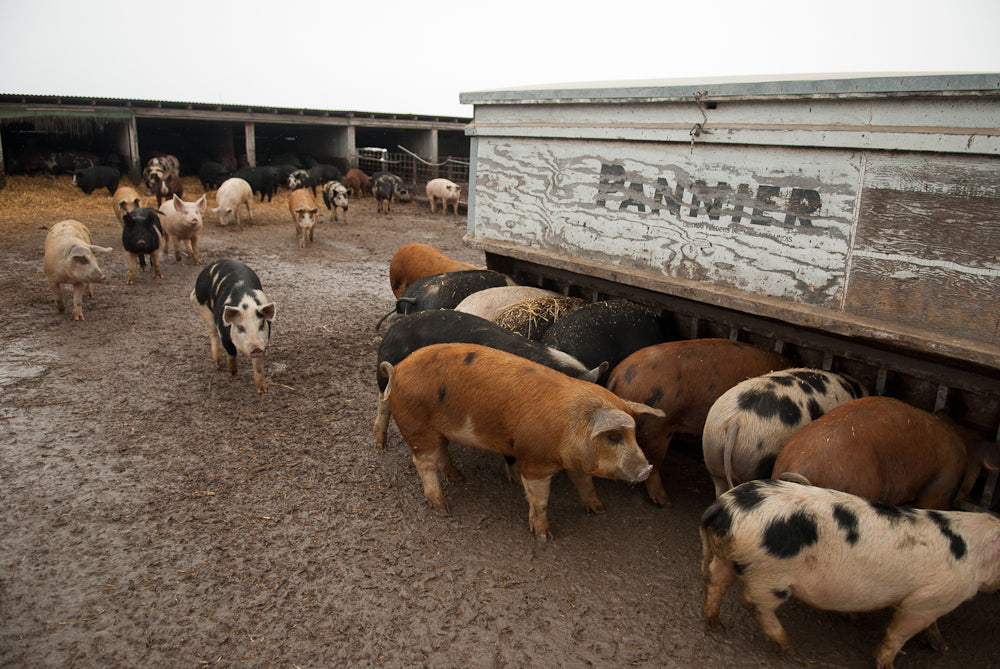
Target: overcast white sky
[{"x": 416, "y": 57}]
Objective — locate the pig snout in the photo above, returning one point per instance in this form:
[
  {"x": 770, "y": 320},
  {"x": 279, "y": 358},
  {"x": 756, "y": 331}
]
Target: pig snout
[{"x": 257, "y": 353}]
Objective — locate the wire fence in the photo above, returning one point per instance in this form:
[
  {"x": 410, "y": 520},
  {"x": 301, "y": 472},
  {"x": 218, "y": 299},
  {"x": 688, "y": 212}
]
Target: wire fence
[{"x": 413, "y": 169}]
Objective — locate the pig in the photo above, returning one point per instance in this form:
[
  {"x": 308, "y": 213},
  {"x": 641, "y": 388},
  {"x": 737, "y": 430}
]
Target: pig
[
  {"x": 387, "y": 187},
  {"x": 446, "y": 326},
  {"x": 415, "y": 261},
  {"x": 170, "y": 187},
  {"x": 320, "y": 174},
  {"x": 496, "y": 401},
  {"x": 232, "y": 194},
  {"x": 533, "y": 317},
  {"x": 357, "y": 183},
  {"x": 261, "y": 180},
  {"x": 212, "y": 174},
  {"x": 305, "y": 214},
  {"x": 157, "y": 168},
  {"x": 888, "y": 451},
  {"x": 335, "y": 198},
  {"x": 607, "y": 331},
  {"x": 281, "y": 173},
  {"x": 91, "y": 178},
  {"x": 838, "y": 552},
  {"x": 237, "y": 314},
  {"x": 490, "y": 302},
  {"x": 445, "y": 291},
  {"x": 142, "y": 235},
  {"x": 443, "y": 191},
  {"x": 181, "y": 222},
  {"x": 749, "y": 424},
  {"x": 69, "y": 258},
  {"x": 124, "y": 199},
  {"x": 298, "y": 179},
  {"x": 684, "y": 379},
  {"x": 65, "y": 162}
]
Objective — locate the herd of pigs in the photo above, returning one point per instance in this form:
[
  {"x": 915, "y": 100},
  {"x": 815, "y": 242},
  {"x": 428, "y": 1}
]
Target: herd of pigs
[{"x": 824, "y": 493}]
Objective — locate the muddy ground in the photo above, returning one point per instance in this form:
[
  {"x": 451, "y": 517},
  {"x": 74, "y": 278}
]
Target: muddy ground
[{"x": 157, "y": 512}]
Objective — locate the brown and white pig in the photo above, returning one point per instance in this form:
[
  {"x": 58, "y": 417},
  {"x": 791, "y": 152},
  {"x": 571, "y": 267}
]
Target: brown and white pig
[
  {"x": 749, "y": 424},
  {"x": 684, "y": 379},
  {"x": 233, "y": 194},
  {"x": 887, "y": 451},
  {"x": 485, "y": 398},
  {"x": 839, "y": 552},
  {"x": 181, "y": 222},
  {"x": 69, "y": 258},
  {"x": 443, "y": 191},
  {"x": 305, "y": 214},
  {"x": 236, "y": 313},
  {"x": 124, "y": 200},
  {"x": 415, "y": 261}
]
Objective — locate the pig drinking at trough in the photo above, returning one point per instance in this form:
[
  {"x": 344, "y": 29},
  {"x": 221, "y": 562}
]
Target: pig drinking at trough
[
  {"x": 233, "y": 194},
  {"x": 490, "y": 399},
  {"x": 490, "y": 302},
  {"x": 335, "y": 198},
  {"x": 533, "y": 317},
  {"x": 181, "y": 222},
  {"x": 357, "y": 183},
  {"x": 446, "y": 291},
  {"x": 887, "y": 451},
  {"x": 69, "y": 258},
  {"x": 440, "y": 326},
  {"x": 415, "y": 261},
  {"x": 684, "y": 379},
  {"x": 838, "y": 552},
  {"x": 236, "y": 313},
  {"x": 91, "y": 178},
  {"x": 142, "y": 235},
  {"x": 124, "y": 199},
  {"x": 443, "y": 191},
  {"x": 749, "y": 424},
  {"x": 607, "y": 331},
  {"x": 305, "y": 214}
]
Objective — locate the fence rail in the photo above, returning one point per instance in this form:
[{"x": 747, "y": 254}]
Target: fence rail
[{"x": 413, "y": 169}]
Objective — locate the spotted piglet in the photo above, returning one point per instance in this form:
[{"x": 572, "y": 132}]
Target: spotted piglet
[
  {"x": 749, "y": 424},
  {"x": 838, "y": 552},
  {"x": 237, "y": 314}
]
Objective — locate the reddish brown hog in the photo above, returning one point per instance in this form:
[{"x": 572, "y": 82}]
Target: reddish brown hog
[
  {"x": 415, "y": 261},
  {"x": 684, "y": 378},
  {"x": 490, "y": 399},
  {"x": 887, "y": 451},
  {"x": 357, "y": 183},
  {"x": 124, "y": 200},
  {"x": 305, "y": 214}
]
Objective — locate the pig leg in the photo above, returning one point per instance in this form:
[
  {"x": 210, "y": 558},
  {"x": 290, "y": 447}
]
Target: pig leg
[
  {"x": 258, "y": 375},
  {"x": 133, "y": 261},
  {"x": 57, "y": 291},
  {"x": 154, "y": 260},
  {"x": 78, "y": 300},
  {"x": 232, "y": 365},
  {"x": 249, "y": 211},
  {"x": 214, "y": 339},
  {"x": 655, "y": 453},
  {"x": 537, "y": 492},
  {"x": 909, "y": 619},
  {"x": 311, "y": 230},
  {"x": 762, "y": 602},
  {"x": 178, "y": 248},
  {"x": 428, "y": 462},
  {"x": 585, "y": 486},
  {"x": 718, "y": 576},
  {"x": 192, "y": 245}
]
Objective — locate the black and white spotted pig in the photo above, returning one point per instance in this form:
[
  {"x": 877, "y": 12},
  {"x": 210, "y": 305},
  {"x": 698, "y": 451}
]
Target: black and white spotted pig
[
  {"x": 237, "y": 314},
  {"x": 749, "y": 424},
  {"x": 838, "y": 552}
]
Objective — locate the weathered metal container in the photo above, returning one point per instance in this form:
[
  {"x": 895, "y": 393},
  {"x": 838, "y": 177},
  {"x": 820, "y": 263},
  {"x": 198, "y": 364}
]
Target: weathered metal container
[{"x": 856, "y": 219}]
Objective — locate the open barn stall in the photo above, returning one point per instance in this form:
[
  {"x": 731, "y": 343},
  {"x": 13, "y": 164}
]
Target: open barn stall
[{"x": 851, "y": 222}]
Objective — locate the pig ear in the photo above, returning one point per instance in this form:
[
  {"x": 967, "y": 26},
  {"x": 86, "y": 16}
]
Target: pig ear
[
  {"x": 639, "y": 409},
  {"x": 267, "y": 311},
  {"x": 609, "y": 420},
  {"x": 202, "y": 203},
  {"x": 231, "y": 315},
  {"x": 178, "y": 203},
  {"x": 100, "y": 249}
]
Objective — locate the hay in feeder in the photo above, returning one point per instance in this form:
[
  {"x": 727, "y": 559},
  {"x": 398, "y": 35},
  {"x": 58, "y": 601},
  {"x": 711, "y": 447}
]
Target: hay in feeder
[{"x": 534, "y": 316}]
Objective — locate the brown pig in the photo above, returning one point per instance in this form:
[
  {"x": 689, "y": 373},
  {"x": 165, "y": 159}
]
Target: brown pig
[
  {"x": 69, "y": 258},
  {"x": 684, "y": 379},
  {"x": 887, "y": 451},
  {"x": 493, "y": 400},
  {"x": 305, "y": 214},
  {"x": 124, "y": 200},
  {"x": 415, "y": 261}
]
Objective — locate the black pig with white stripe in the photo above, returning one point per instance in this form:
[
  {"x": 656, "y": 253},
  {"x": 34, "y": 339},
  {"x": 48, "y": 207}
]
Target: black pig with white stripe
[
  {"x": 839, "y": 552},
  {"x": 237, "y": 314}
]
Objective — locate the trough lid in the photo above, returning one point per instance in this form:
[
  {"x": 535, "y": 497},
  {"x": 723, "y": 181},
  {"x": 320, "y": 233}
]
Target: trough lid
[{"x": 757, "y": 86}]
